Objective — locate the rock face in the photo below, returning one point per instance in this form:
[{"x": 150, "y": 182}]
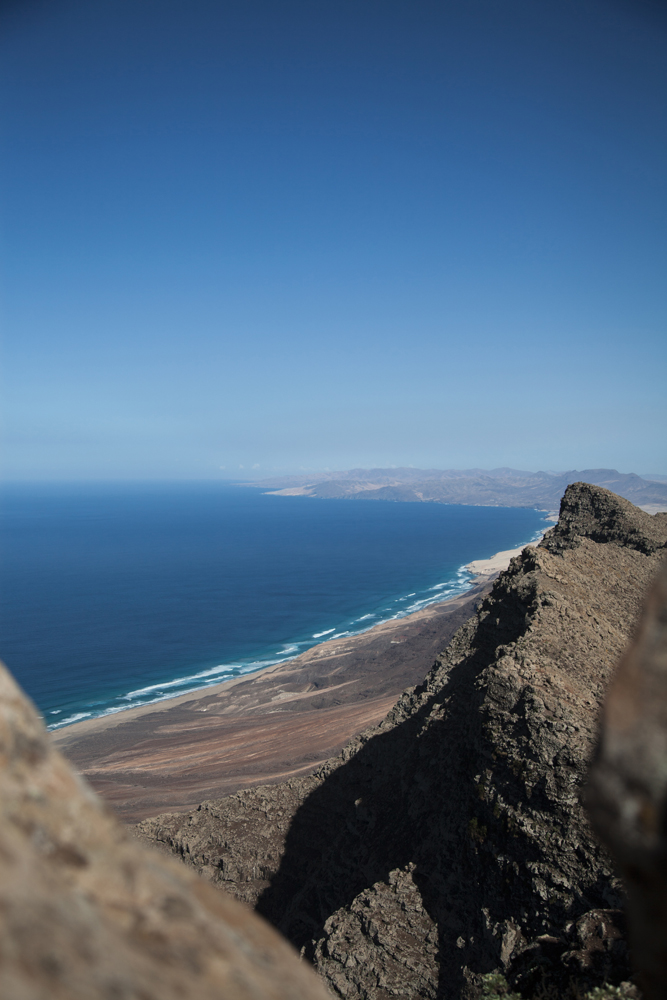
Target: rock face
[
  {"x": 86, "y": 913},
  {"x": 450, "y": 840}
]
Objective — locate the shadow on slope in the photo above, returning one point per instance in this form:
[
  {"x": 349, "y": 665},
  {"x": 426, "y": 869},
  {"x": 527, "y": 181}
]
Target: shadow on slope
[
  {"x": 407, "y": 799},
  {"x": 450, "y": 841},
  {"x": 469, "y": 790}
]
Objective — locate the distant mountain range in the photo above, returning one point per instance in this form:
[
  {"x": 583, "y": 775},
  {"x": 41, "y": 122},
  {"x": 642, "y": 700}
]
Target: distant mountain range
[{"x": 502, "y": 487}]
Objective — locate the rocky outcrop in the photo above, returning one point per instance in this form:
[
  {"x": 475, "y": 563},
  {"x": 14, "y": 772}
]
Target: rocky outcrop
[
  {"x": 450, "y": 841},
  {"x": 86, "y": 913}
]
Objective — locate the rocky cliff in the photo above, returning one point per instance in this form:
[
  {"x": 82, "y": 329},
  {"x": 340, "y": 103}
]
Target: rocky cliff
[{"x": 450, "y": 841}]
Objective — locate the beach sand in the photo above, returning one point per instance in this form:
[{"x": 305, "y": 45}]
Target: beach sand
[
  {"x": 265, "y": 727},
  {"x": 488, "y": 569}
]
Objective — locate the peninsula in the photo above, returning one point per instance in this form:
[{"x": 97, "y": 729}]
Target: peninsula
[{"x": 502, "y": 487}]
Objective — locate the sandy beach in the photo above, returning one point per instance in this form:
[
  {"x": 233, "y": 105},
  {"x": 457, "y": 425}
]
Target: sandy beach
[
  {"x": 488, "y": 569},
  {"x": 264, "y": 727}
]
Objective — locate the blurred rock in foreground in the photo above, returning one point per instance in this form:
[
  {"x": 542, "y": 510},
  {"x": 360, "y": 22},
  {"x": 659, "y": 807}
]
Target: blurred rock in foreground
[
  {"x": 87, "y": 913},
  {"x": 627, "y": 794}
]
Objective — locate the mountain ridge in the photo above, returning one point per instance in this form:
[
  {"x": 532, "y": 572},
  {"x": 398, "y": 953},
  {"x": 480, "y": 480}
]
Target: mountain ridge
[
  {"x": 449, "y": 843},
  {"x": 495, "y": 487}
]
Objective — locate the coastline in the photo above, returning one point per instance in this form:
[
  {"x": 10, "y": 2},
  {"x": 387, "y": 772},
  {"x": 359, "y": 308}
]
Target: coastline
[
  {"x": 264, "y": 727},
  {"x": 236, "y": 674},
  {"x": 477, "y": 571},
  {"x": 484, "y": 570}
]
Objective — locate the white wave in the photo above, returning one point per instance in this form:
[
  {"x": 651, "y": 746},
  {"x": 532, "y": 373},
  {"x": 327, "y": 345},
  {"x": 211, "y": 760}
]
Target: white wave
[
  {"x": 194, "y": 683},
  {"x": 363, "y": 618},
  {"x": 318, "y": 635},
  {"x": 250, "y": 668},
  {"x": 339, "y": 635},
  {"x": 212, "y": 673},
  {"x": 442, "y": 592},
  {"x": 211, "y": 676},
  {"x": 77, "y": 717},
  {"x": 418, "y": 605}
]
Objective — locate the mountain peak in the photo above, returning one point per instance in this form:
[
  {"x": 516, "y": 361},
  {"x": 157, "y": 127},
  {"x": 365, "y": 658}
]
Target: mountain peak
[{"x": 589, "y": 511}]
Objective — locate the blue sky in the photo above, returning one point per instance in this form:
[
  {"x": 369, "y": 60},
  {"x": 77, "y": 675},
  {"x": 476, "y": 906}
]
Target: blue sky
[{"x": 332, "y": 233}]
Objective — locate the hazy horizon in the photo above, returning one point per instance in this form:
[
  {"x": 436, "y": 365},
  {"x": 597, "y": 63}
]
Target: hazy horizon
[
  {"x": 257, "y": 475},
  {"x": 243, "y": 239}
]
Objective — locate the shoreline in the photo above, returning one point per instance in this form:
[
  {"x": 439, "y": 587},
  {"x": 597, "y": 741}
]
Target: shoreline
[
  {"x": 487, "y": 569},
  {"x": 265, "y": 727},
  {"x": 480, "y": 571},
  {"x": 327, "y": 648}
]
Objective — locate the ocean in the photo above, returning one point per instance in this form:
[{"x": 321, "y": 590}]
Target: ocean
[{"x": 119, "y": 595}]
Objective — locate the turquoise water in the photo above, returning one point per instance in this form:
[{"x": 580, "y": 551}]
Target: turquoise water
[{"x": 114, "y": 596}]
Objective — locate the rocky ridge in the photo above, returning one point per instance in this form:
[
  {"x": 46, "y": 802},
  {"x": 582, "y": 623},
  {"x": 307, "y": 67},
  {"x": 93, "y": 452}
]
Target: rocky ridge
[{"x": 449, "y": 841}]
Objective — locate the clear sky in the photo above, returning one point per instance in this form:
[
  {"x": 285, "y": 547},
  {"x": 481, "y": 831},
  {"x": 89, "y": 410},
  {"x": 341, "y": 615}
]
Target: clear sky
[{"x": 286, "y": 234}]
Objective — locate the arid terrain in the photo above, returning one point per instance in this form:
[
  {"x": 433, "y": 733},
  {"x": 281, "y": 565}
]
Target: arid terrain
[{"x": 495, "y": 487}]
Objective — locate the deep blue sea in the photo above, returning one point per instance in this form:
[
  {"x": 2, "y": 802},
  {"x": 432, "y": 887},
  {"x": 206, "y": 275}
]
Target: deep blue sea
[{"x": 114, "y": 596}]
